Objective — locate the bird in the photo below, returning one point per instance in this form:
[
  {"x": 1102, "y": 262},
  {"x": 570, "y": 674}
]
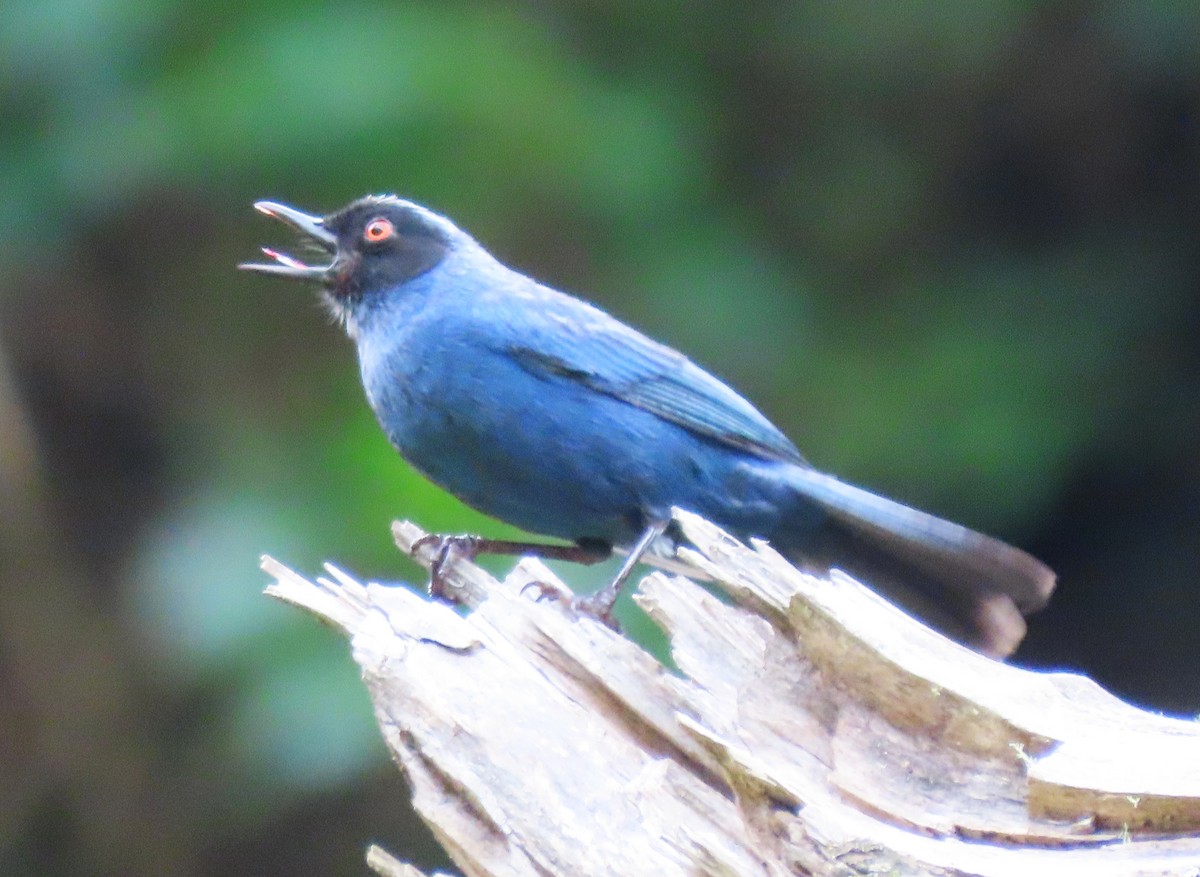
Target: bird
[{"x": 544, "y": 411}]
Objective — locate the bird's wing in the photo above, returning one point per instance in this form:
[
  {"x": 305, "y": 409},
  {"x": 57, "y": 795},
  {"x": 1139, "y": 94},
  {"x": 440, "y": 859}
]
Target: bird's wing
[{"x": 595, "y": 350}]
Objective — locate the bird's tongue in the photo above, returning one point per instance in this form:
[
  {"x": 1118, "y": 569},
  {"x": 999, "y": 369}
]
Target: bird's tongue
[{"x": 284, "y": 259}]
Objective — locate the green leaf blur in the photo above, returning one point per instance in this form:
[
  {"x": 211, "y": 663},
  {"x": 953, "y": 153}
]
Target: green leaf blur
[{"x": 950, "y": 249}]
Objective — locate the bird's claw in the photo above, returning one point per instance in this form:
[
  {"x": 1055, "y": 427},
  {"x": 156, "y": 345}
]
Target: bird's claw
[
  {"x": 445, "y": 550},
  {"x": 546, "y": 591},
  {"x": 597, "y": 606}
]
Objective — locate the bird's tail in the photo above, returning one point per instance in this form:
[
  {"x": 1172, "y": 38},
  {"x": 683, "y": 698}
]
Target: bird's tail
[{"x": 970, "y": 586}]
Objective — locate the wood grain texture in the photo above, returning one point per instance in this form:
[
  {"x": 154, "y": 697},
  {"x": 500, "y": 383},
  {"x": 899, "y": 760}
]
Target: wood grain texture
[{"x": 811, "y": 728}]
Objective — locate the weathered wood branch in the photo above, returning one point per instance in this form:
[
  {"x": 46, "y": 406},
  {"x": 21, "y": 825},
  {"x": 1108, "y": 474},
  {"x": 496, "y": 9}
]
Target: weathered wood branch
[{"x": 811, "y": 728}]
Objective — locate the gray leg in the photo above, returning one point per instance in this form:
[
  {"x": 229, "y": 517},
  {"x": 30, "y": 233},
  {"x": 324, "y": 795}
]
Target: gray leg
[{"x": 600, "y": 604}]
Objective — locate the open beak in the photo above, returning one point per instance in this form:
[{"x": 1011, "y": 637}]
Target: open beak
[{"x": 283, "y": 265}]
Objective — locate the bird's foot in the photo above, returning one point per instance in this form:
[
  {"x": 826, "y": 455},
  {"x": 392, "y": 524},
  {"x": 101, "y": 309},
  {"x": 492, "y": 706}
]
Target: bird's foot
[
  {"x": 598, "y": 605},
  {"x": 446, "y": 550},
  {"x": 449, "y": 549}
]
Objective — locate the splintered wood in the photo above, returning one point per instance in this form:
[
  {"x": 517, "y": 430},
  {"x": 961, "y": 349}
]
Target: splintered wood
[{"x": 811, "y": 728}]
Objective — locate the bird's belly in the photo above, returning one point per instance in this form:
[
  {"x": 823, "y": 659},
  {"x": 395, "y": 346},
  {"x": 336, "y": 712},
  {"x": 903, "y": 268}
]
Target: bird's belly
[
  {"x": 559, "y": 472},
  {"x": 558, "y": 458},
  {"x": 550, "y": 457}
]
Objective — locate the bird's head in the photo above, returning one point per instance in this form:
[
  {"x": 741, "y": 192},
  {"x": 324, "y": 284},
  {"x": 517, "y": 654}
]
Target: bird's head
[{"x": 371, "y": 246}]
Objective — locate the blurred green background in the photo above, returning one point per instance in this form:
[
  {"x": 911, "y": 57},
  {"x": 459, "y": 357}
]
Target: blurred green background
[{"x": 950, "y": 248}]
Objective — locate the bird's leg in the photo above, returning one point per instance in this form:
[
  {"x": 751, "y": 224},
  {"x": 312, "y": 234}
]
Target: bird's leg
[
  {"x": 467, "y": 547},
  {"x": 600, "y": 604}
]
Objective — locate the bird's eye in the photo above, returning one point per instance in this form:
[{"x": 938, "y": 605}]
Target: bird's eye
[{"x": 378, "y": 229}]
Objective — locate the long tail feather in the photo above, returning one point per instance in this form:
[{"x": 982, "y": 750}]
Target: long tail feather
[{"x": 973, "y": 587}]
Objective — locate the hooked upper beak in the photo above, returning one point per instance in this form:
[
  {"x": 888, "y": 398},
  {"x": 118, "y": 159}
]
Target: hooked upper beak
[{"x": 287, "y": 266}]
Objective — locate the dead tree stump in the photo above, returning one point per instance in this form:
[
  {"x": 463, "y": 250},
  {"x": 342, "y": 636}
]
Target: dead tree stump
[{"x": 811, "y": 728}]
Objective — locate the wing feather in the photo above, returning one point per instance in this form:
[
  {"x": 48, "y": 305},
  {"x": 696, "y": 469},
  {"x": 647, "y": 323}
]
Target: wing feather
[{"x": 611, "y": 358}]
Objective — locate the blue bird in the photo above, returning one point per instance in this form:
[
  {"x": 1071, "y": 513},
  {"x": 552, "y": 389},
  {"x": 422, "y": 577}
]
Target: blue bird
[{"x": 544, "y": 411}]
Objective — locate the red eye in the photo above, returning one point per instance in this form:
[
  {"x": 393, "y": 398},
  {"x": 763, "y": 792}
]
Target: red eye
[{"x": 378, "y": 229}]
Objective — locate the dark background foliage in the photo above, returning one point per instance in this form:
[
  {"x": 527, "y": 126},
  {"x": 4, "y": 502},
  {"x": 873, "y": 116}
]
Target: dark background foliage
[{"x": 950, "y": 248}]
